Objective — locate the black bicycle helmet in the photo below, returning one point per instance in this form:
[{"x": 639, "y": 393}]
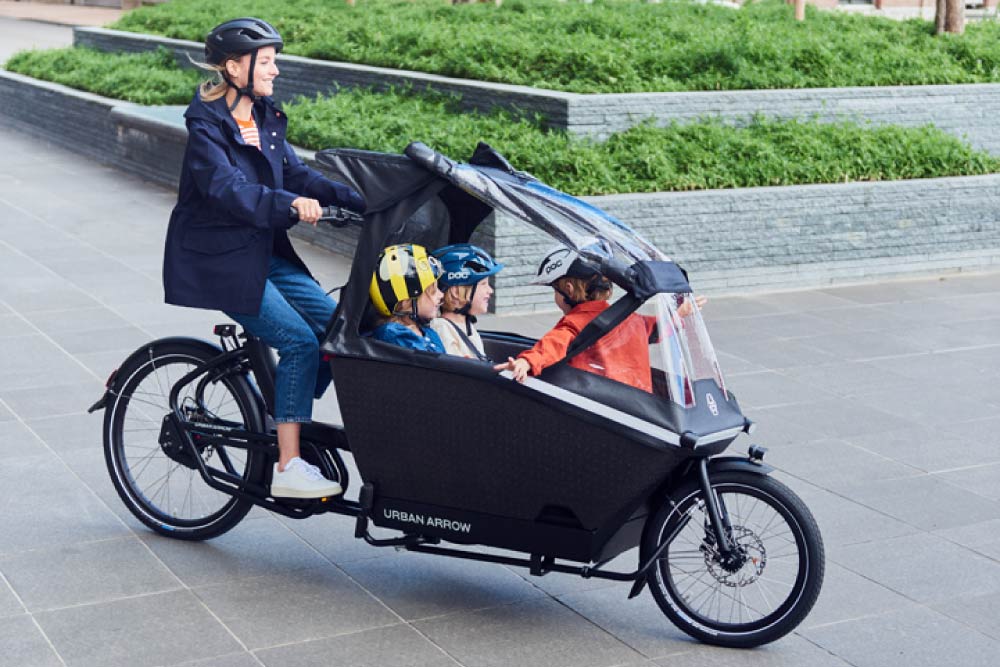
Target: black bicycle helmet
[{"x": 236, "y": 38}]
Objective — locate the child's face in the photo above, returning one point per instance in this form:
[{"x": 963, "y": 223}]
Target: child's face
[
  {"x": 481, "y": 301},
  {"x": 429, "y": 303}
]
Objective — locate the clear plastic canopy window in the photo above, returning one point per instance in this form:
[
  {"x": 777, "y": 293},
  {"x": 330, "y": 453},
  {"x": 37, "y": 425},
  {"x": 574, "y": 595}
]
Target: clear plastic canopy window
[{"x": 681, "y": 352}]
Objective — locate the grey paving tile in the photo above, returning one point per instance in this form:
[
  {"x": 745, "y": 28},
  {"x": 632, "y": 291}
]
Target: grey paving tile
[
  {"x": 24, "y": 646},
  {"x": 983, "y": 538},
  {"x": 12, "y": 325},
  {"x": 61, "y": 297},
  {"x": 393, "y": 646},
  {"x": 843, "y": 521},
  {"x": 242, "y": 659},
  {"x": 976, "y": 611},
  {"x": 294, "y": 606},
  {"x": 65, "y": 433},
  {"x": 254, "y": 548},
  {"x": 536, "y": 632},
  {"x": 101, "y": 340},
  {"x": 776, "y": 354},
  {"x": 49, "y": 510},
  {"x": 847, "y": 379},
  {"x": 164, "y": 628},
  {"x": 942, "y": 406},
  {"x": 420, "y": 586},
  {"x": 922, "y": 567},
  {"x": 982, "y": 480},
  {"x": 868, "y": 318},
  {"x": 639, "y": 623},
  {"x": 847, "y": 595},
  {"x": 9, "y": 605},
  {"x": 33, "y": 361},
  {"x": 557, "y": 584},
  {"x": 789, "y": 651},
  {"x": 913, "y": 637},
  {"x": 6, "y": 415},
  {"x": 843, "y": 418},
  {"x": 770, "y": 388},
  {"x": 85, "y": 573},
  {"x": 930, "y": 449},
  {"x": 333, "y": 536},
  {"x": 803, "y": 300},
  {"x": 861, "y": 345},
  {"x": 850, "y": 464},
  {"x": 925, "y": 502},
  {"x": 47, "y": 401},
  {"x": 17, "y": 440}
]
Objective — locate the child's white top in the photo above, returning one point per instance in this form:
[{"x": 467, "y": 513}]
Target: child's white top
[{"x": 453, "y": 343}]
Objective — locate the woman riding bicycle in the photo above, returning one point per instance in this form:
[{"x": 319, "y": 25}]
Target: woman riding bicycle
[{"x": 227, "y": 245}]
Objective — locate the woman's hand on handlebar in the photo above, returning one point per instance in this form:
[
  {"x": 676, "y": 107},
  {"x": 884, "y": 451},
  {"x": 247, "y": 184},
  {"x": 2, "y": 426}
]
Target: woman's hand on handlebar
[{"x": 309, "y": 210}]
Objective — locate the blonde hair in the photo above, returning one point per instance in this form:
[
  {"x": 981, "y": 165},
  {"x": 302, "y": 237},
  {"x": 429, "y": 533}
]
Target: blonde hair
[
  {"x": 576, "y": 288},
  {"x": 215, "y": 87},
  {"x": 455, "y": 297}
]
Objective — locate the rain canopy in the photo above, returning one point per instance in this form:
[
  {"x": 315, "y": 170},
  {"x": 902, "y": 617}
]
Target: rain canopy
[{"x": 424, "y": 197}]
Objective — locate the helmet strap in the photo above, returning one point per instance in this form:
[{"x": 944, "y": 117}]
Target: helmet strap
[
  {"x": 570, "y": 301},
  {"x": 247, "y": 89}
]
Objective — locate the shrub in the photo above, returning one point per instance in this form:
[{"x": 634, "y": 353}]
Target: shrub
[{"x": 608, "y": 45}]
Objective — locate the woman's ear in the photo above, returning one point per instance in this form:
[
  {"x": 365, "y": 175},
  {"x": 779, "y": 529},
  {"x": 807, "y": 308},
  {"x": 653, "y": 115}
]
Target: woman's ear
[{"x": 232, "y": 68}]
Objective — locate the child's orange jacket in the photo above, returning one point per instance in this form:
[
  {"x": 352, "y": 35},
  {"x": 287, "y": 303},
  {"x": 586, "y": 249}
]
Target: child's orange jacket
[{"x": 622, "y": 354}]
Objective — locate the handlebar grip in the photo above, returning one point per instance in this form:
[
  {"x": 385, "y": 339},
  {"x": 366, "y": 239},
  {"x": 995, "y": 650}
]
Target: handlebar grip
[{"x": 334, "y": 215}]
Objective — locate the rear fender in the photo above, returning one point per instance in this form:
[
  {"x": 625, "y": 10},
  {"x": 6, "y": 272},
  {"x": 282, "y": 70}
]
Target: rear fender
[{"x": 116, "y": 379}]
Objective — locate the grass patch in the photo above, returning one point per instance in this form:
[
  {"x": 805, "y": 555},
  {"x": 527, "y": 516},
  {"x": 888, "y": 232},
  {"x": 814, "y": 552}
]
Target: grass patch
[
  {"x": 609, "y": 45},
  {"x": 706, "y": 154},
  {"x": 144, "y": 78}
]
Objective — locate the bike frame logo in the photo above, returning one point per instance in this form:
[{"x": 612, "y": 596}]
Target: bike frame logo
[
  {"x": 430, "y": 521},
  {"x": 712, "y": 405}
]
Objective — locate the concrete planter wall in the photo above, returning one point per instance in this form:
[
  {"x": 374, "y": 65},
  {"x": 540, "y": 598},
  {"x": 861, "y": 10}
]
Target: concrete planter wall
[
  {"x": 730, "y": 240},
  {"x": 963, "y": 110}
]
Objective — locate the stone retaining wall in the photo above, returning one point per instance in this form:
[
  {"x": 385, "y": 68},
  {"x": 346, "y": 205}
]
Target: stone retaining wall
[
  {"x": 962, "y": 110},
  {"x": 730, "y": 240}
]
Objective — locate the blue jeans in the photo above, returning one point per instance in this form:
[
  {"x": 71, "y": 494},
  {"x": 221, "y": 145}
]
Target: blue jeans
[{"x": 293, "y": 317}]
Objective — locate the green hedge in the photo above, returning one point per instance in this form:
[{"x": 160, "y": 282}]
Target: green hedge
[
  {"x": 609, "y": 45},
  {"x": 701, "y": 155},
  {"x": 146, "y": 78}
]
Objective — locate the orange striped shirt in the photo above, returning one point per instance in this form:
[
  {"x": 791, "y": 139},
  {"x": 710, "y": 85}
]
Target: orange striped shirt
[{"x": 248, "y": 128}]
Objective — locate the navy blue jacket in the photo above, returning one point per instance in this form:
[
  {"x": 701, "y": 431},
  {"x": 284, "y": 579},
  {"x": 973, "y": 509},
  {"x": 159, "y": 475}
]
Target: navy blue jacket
[{"x": 232, "y": 208}]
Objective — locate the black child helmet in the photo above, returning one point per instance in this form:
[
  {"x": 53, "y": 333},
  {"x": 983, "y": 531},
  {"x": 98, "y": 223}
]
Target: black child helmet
[{"x": 236, "y": 38}]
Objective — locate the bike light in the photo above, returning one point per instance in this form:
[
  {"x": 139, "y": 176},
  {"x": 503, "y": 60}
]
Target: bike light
[{"x": 756, "y": 453}]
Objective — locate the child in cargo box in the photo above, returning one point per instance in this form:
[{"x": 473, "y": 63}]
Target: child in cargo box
[
  {"x": 582, "y": 293},
  {"x": 404, "y": 291}
]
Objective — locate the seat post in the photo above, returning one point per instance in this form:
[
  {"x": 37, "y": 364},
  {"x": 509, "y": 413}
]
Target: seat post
[{"x": 264, "y": 368}]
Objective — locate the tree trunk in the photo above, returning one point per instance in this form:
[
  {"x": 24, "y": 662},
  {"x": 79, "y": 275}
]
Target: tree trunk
[
  {"x": 800, "y": 10},
  {"x": 940, "y": 11},
  {"x": 954, "y": 21}
]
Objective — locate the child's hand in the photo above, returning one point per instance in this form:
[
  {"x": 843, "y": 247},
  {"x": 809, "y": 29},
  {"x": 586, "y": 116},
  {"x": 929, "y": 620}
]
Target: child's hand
[
  {"x": 687, "y": 307},
  {"x": 519, "y": 368}
]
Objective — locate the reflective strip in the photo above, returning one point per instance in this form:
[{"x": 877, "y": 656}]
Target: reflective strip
[{"x": 590, "y": 405}]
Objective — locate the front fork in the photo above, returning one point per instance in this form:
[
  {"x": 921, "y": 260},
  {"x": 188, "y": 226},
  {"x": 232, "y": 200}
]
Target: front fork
[{"x": 717, "y": 515}]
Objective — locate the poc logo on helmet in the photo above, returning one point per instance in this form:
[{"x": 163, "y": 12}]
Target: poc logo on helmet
[
  {"x": 713, "y": 407},
  {"x": 552, "y": 266},
  {"x": 458, "y": 275}
]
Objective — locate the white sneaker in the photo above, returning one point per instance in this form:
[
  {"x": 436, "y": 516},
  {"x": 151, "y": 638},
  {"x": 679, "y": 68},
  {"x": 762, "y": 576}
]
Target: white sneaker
[{"x": 302, "y": 480}]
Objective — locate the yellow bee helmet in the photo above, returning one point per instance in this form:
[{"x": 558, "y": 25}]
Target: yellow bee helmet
[{"x": 402, "y": 272}]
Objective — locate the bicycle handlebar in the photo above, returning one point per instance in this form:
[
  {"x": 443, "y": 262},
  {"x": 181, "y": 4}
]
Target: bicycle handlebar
[{"x": 334, "y": 215}]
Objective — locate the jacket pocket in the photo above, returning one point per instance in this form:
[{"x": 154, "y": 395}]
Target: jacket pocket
[{"x": 217, "y": 240}]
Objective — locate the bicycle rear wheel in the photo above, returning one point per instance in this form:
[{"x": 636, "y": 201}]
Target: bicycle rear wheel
[{"x": 160, "y": 485}]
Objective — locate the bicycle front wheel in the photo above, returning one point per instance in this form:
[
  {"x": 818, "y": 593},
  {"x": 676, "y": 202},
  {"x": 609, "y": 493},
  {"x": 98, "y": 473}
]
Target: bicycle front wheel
[
  {"x": 764, "y": 589},
  {"x": 160, "y": 485}
]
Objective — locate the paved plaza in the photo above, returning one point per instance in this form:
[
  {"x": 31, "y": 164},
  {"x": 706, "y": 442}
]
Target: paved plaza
[{"x": 880, "y": 405}]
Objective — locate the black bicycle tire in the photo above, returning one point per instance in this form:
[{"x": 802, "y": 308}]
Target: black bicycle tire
[
  {"x": 805, "y": 590},
  {"x": 233, "y": 511}
]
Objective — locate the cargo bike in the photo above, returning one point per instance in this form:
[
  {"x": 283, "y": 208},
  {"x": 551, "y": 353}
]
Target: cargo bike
[{"x": 568, "y": 472}]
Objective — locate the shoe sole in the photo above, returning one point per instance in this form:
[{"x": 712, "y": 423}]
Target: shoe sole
[{"x": 304, "y": 495}]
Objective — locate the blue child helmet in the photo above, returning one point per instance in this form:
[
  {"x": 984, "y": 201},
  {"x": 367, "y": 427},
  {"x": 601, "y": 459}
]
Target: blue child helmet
[{"x": 464, "y": 264}]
